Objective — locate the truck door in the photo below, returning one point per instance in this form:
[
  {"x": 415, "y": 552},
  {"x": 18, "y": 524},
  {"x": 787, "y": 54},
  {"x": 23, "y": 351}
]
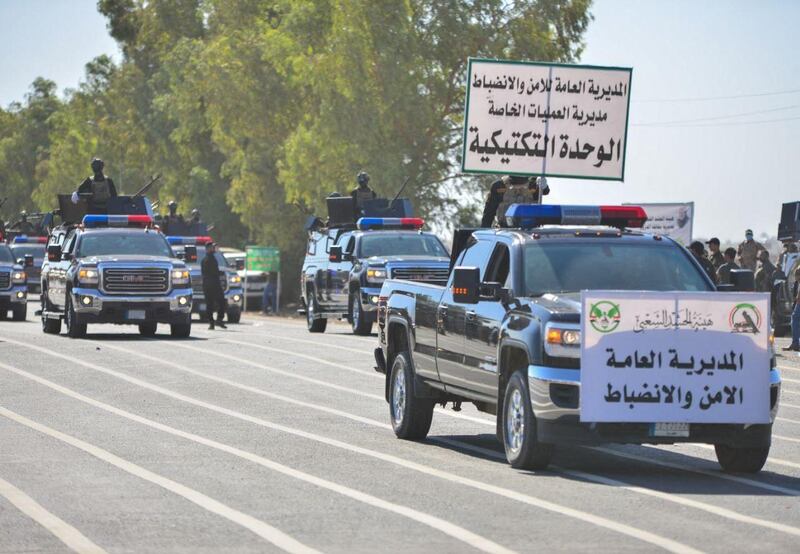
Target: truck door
[
  {"x": 451, "y": 320},
  {"x": 58, "y": 277},
  {"x": 340, "y": 274},
  {"x": 483, "y": 327}
]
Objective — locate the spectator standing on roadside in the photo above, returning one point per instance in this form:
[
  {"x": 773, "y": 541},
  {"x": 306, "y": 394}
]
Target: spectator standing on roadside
[
  {"x": 795, "y": 345},
  {"x": 697, "y": 250},
  {"x": 724, "y": 271},
  {"x": 212, "y": 287},
  {"x": 715, "y": 255},
  {"x": 269, "y": 301},
  {"x": 764, "y": 273},
  {"x": 748, "y": 251},
  {"x": 789, "y": 247}
]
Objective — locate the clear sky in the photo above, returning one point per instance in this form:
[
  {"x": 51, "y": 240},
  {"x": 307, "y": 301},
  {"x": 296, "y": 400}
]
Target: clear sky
[{"x": 736, "y": 170}]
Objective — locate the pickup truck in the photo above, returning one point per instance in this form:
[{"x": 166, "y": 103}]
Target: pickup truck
[
  {"x": 504, "y": 333},
  {"x": 13, "y": 288},
  {"x": 344, "y": 268},
  {"x": 30, "y": 251},
  {"x": 192, "y": 251},
  {"x": 114, "y": 269}
]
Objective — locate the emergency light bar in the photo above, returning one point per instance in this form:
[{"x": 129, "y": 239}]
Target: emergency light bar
[
  {"x": 96, "y": 220},
  {"x": 535, "y": 215},
  {"x": 188, "y": 240},
  {"x": 367, "y": 223},
  {"x": 25, "y": 239}
]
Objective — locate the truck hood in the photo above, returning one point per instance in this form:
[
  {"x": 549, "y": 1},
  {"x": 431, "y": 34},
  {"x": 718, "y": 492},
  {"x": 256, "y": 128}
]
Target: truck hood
[
  {"x": 133, "y": 258},
  {"x": 567, "y": 305},
  {"x": 408, "y": 260}
]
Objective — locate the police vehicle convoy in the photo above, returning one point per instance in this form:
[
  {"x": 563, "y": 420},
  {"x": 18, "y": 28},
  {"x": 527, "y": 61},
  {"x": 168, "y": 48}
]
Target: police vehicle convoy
[
  {"x": 114, "y": 269},
  {"x": 504, "y": 332},
  {"x": 345, "y": 267},
  {"x": 30, "y": 252},
  {"x": 192, "y": 251},
  {"x": 13, "y": 286}
]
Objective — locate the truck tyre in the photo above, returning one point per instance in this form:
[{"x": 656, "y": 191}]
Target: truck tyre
[
  {"x": 358, "y": 319},
  {"x": 411, "y": 416},
  {"x": 3, "y": 315},
  {"x": 181, "y": 330},
  {"x": 75, "y": 330},
  {"x": 51, "y": 326},
  {"x": 741, "y": 460},
  {"x": 148, "y": 329},
  {"x": 315, "y": 324},
  {"x": 20, "y": 313},
  {"x": 523, "y": 449},
  {"x": 234, "y": 315}
]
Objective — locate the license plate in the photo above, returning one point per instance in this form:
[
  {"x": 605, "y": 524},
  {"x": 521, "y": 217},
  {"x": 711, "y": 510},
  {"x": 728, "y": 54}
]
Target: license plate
[
  {"x": 136, "y": 314},
  {"x": 201, "y": 307},
  {"x": 669, "y": 430}
]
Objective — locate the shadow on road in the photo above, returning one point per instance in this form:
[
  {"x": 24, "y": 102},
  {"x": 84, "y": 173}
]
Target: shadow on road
[{"x": 631, "y": 472}]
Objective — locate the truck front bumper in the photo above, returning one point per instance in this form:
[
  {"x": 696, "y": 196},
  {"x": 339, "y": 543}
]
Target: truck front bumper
[
  {"x": 92, "y": 306},
  {"x": 369, "y": 298},
  {"x": 555, "y": 401},
  {"x": 15, "y": 296}
]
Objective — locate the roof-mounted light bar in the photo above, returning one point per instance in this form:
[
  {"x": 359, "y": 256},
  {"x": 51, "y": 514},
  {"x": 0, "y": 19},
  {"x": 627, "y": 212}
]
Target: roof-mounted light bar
[
  {"x": 527, "y": 216},
  {"x": 176, "y": 241},
  {"x": 373, "y": 223},
  {"x": 25, "y": 239},
  {"x": 97, "y": 220}
]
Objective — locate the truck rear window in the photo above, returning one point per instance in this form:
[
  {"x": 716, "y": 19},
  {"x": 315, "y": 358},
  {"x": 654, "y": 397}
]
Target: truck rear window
[
  {"x": 572, "y": 267},
  {"x": 122, "y": 244},
  {"x": 401, "y": 245}
]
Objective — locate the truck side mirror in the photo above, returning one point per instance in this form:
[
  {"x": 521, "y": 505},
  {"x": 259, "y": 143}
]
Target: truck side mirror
[
  {"x": 743, "y": 280},
  {"x": 335, "y": 254},
  {"x": 190, "y": 253},
  {"x": 494, "y": 292},
  {"x": 466, "y": 285},
  {"x": 54, "y": 252},
  {"x": 28, "y": 260}
]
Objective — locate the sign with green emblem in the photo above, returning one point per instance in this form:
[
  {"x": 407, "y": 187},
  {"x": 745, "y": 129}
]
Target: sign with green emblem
[{"x": 262, "y": 258}]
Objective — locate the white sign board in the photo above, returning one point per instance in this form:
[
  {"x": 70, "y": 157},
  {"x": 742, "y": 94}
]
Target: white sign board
[
  {"x": 675, "y": 357},
  {"x": 527, "y": 118},
  {"x": 671, "y": 220}
]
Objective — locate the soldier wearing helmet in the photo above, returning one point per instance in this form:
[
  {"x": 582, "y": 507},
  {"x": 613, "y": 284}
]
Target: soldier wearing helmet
[
  {"x": 362, "y": 193},
  {"x": 100, "y": 187},
  {"x": 173, "y": 223},
  {"x": 511, "y": 189}
]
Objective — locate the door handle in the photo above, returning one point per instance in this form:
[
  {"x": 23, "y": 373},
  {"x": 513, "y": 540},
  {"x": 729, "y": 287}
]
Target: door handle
[{"x": 471, "y": 315}]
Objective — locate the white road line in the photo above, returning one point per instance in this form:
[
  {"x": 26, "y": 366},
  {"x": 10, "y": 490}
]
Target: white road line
[
  {"x": 317, "y": 343},
  {"x": 676, "y": 499},
  {"x": 781, "y": 437},
  {"x": 792, "y": 406},
  {"x": 770, "y": 460},
  {"x": 444, "y": 526},
  {"x": 263, "y": 530},
  {"x": 314, "y": 359},
  {"x": 787, "y": 420},
  {"x": 63, "y": 531},
  {"x": 646, "y": 536}
]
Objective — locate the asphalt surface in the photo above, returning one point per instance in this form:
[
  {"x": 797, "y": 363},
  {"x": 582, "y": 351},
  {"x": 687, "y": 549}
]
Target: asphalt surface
[{"x": 263, "y": 437}]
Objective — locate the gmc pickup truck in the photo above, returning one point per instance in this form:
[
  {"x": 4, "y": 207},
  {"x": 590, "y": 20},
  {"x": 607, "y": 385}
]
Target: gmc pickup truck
[
  {"x": 504, "y": 332},
  {"x": 13, "y": 288}
]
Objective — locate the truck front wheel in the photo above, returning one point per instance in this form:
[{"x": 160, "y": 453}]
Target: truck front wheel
[
  {"x": 411, "y": 416},
  {"x": 523, "y": 449},
  {"x": 181, "y": 330},
  {"x": 741, "y": 460},
  {"x": 358, "y": 319},
  {"x": 20, "y": 313},
  {"x": 148, "y": 329},
  {"x": 75, "y": 329},
  {"x": 315, "y": 324}
]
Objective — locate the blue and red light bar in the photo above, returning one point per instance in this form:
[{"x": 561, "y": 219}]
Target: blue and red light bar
[
  {"x": 536, "y": 215},
  {"x": 374, "y": 223},
  {"x": 25, "y": 239},
  {"x": 176, "y": 241},
  {"x": 98, "y": 220}
]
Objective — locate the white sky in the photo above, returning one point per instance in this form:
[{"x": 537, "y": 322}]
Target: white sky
[{"x": 737, "y": 172}]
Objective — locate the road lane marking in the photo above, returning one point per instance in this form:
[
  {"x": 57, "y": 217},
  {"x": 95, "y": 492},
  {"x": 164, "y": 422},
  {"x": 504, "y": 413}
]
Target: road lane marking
[
  {"x": 444, "y": 526},
  {"x": 316, "y": 343},
  {"x": 600, "y": 521},
  {"x": 63, "y": 531},
  {"x": 674, "y": 498},
  {"x": 263, "y": 530},
  {"x": 770, "y": 459},
  {"x": 787, "y": 420},
  {"x": 781, "y": 437}
]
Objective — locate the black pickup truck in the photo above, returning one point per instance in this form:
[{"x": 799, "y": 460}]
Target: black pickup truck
[{"x": 485, "y": 336}]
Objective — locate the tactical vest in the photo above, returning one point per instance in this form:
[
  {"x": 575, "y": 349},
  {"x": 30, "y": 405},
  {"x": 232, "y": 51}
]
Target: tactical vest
[
  {"x": 101, "y": 192},
  {"x": 363, "y": 196},
  {"x": 514, "y": 194}
]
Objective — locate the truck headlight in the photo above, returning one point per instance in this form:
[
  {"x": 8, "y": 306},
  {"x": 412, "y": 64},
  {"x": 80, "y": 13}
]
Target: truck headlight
[
  {"x": 19, "y": 277},
  {"x": 376, "y": 274},
  {"x": 180, "y": 277},
  {"x": 562, "y": 341},
  {"x": 234, "y": 280},
  {"x": 88, "y": 276}
]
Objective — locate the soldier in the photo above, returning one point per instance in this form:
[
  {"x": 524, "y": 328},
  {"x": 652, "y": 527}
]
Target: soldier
[
  {"x": 99, "y": 186},
  {"x": 212, "y": 287},
  {"x": 724, "y": 271},
  {"x": 699, "y": 253},
  {"x": 715, "y": 256},
  {"x": 195, "y": 219},
  {"x": 173, "y": 222},
  {"x": 362, "y": 193},
  {"x": 748, "y": 251},
  {"x": 764, "y": 273},
  {"x": 24, "y": 225},
  {"x": 795, "y": 344},
  {"x": 511, "y": 189}
]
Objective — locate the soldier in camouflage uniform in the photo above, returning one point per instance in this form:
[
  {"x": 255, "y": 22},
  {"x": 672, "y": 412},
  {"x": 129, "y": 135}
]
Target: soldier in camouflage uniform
[
  {"x": 511, "y": 189},
  {"x": 362, "y": 194}
]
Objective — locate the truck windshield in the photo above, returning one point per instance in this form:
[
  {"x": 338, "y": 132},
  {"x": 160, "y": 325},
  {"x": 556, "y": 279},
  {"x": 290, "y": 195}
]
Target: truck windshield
[
  {"x": 123, "y": 244},
  {"x": 5, "y": 254},
  {"x": 570, "y": 267},
  {"x": 37, "y": 251},
  {"x": 401, "y": 245}
]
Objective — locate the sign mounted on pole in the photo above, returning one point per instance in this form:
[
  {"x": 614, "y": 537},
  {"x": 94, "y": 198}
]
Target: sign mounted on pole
[
  {"x": 529, "y": 118},
  {"x": 670, "y": 220},
  {"x": 262, "y": 258}
]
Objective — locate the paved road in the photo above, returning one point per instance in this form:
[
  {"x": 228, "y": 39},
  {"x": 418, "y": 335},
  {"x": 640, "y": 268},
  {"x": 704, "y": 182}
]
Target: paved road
[{"x": 265, "y": 438}]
